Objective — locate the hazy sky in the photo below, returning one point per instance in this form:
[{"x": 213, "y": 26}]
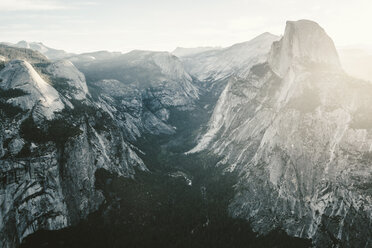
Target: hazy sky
[{"x": 86, "y": 25}]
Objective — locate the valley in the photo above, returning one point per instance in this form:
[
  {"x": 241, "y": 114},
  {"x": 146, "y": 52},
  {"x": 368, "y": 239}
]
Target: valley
[{"x": 265, "y": 143}]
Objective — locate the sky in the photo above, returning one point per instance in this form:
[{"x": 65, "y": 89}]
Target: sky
[{"x": 90, "y": 25}]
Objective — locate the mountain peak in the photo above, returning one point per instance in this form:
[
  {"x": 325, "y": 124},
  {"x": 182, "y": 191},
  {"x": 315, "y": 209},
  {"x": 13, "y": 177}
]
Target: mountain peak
[
  {"x": 50, "y": 53},
  {"x": 303, "y": 41},
  {"x": 21, "y": 75},
  {"x": 23, "y": 44}
]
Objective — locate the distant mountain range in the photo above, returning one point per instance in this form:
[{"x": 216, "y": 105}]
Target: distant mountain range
[
  {"x": 50, "y": 53},
  {"x": 266, "y": 143},
  {"x": 355, "y": 61}
]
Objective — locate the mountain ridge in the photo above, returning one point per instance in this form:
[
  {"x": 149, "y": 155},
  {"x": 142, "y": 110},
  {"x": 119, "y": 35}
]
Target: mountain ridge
[
  {"x": 276, "y": 117},
  {"x": 285, "y": 128}
]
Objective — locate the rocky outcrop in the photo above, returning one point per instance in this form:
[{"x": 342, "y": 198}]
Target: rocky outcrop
[
  {"x": 304, "y": 42},
  {"x": 75, "y": 85},
  {"x": 51, "y": 144},
  {"x": 141, "y": 88},
  {"x": 218, "y": 64},
  {"x": 34, "y": 91},
  {"x": 298, "y": 131},
  {"x": 56, "y": 131},
  {"x": 290, "y": 122}
]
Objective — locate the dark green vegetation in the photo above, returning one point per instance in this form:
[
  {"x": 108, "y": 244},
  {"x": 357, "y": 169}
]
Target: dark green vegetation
[
  {"x": 11, "y": 93},
  {"x": 160, "y": 208},
  {"x": 61, "y": 85},
  {"x": 65, "y": 125},
  {"x": 8, "y": 109},
  {"x": 57, "y": 130}
]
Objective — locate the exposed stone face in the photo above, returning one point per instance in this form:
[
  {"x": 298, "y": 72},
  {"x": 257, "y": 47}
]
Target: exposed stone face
[
  {"x": 54, "y": 187},
  {"x": 51, "y": 146},
  {"x": 140, "y": 88},
  {"x": 304, "y": 41},
  {"x": 297, "y": 129},
  {"x": 75, "y": 80},
  {"x": 59, "y": 133},
  {"x": 31, "y": 198},
  {"x": 290, "y": 121},
  {"x": 218, "y": 64},
  {"x": 21, "y": 75}
]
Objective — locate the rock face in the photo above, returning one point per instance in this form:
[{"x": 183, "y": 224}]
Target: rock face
[
  {"x": 303, "y": 42},
  {"x": 290, "y": 122},
  {"x": 141, "y": 88},
  {"x": 74, "y": 79},
  {"x": 218, "y": 64},
  {"x": 56, "y": 130},
  {"x": 20, "y": 75},
  {"x": 51, "y": 144},
  {"x": 298, "y": 130}
]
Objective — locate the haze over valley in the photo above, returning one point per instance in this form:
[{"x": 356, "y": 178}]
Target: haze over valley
[{"x": 260, "y": 142}]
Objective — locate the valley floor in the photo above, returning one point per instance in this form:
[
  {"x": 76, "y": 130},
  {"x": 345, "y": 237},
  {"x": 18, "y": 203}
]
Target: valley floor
[{"x": 182, "y": 202}]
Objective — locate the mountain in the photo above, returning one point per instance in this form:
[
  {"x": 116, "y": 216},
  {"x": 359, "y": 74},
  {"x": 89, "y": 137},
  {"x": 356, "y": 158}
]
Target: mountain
[
  {"x": 53, "y": 138},
  {"x": 218, "y": 64},
  {"x": 34, "y": 92},
  {"x": 12, "y": 53},
  {"x": 266, "y": 143},
  {"x": 297, "y": 131},
  {"x": 93, "y": 56},
  {"x": 50, "y": 53},
  {"x": 60, "y": 125},
  {"x": 143, "y": 88},
  {"x": 185, "y": 52}
]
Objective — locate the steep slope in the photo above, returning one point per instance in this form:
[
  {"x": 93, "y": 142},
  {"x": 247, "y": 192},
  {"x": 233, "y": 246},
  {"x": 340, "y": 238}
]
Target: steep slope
[
  {"x": 65, "y": 71},
  {"x": 142, "y": 88},
  {"x": 303, "y": 42},
  {"x": 20, "y": 76},
  {"x": 218, "y": 64},
  {"x": 55, "y": 134},
  {"x": 298, "y": 131},
  {"x": 53, "y": 138},
  {"x": 185, "y": 52}
]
